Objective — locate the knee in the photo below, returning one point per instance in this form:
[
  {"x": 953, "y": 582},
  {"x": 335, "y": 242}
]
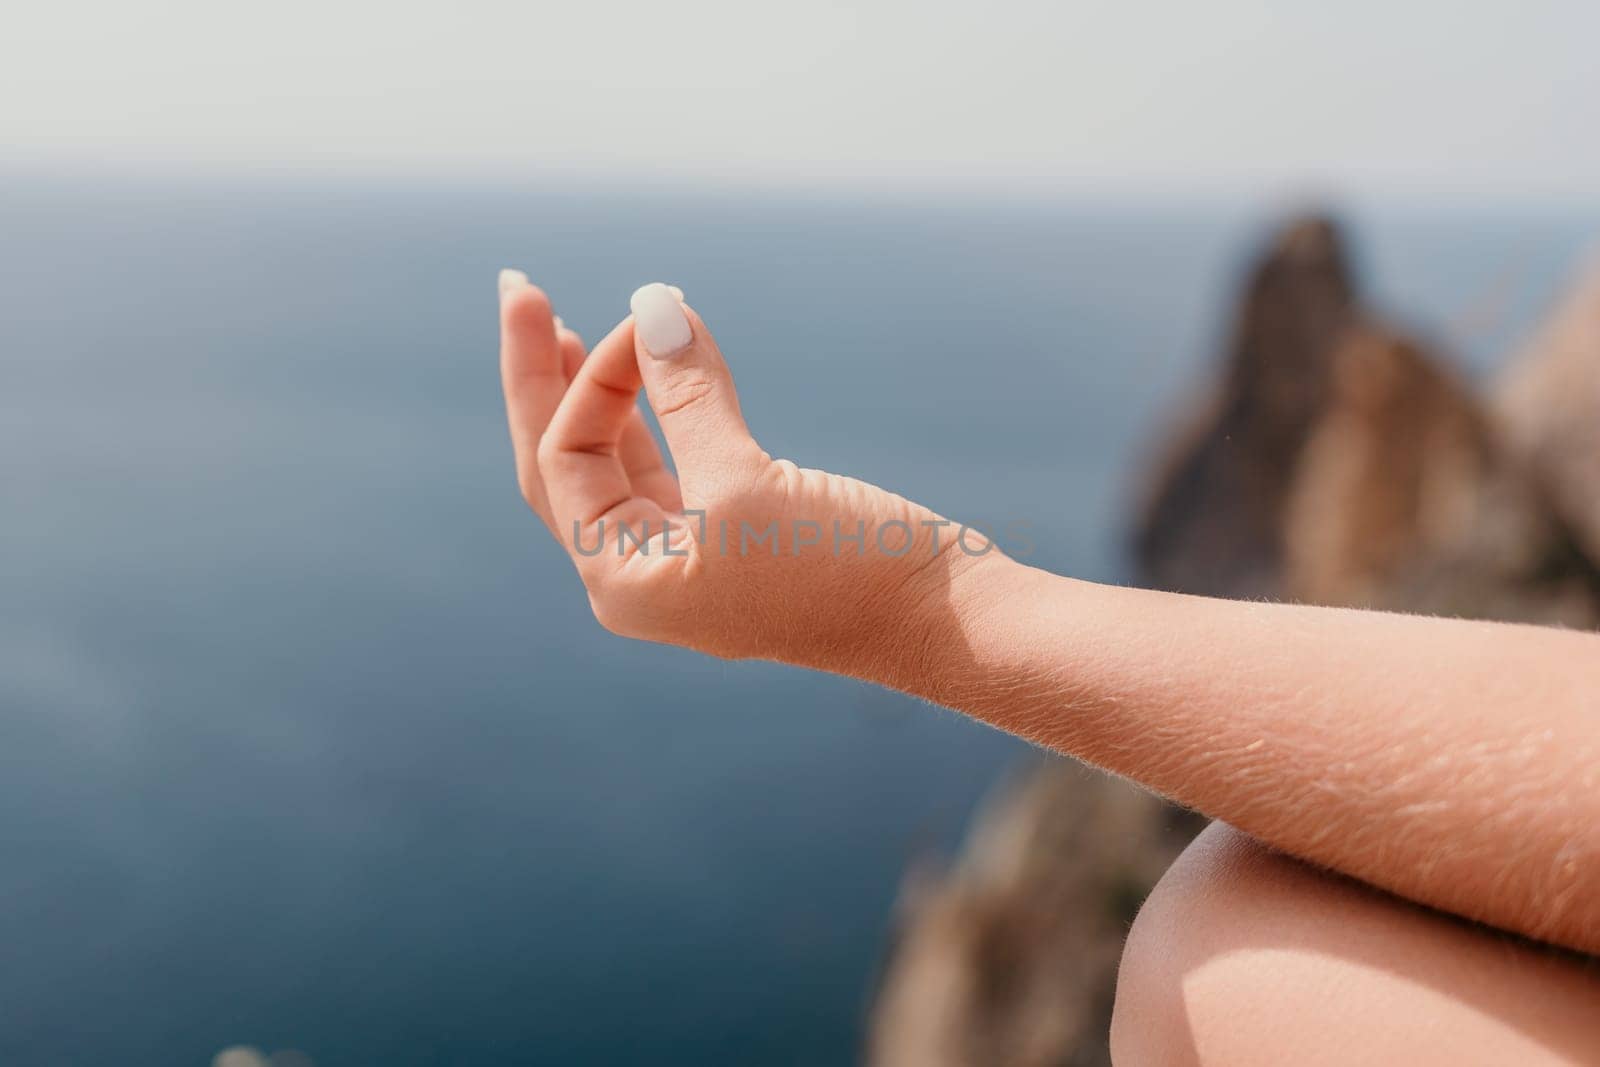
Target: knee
[
  {"x": 1185, "y": 920},
  {"x": 1243, "y": 956}
]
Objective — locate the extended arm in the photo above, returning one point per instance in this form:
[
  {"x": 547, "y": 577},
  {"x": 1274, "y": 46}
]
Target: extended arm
[{"x": 1455, "y": 763}]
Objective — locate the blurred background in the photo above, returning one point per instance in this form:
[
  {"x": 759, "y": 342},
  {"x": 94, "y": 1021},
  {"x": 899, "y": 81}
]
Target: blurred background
[{"x": 307, "y": 737}]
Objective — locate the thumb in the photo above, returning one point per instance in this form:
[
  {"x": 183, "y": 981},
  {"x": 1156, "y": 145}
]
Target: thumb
[{"x": 690, "y": 391}]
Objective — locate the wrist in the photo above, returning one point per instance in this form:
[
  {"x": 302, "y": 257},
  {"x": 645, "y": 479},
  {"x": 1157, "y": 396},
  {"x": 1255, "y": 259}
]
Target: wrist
[{"x": 941, "y": 620}]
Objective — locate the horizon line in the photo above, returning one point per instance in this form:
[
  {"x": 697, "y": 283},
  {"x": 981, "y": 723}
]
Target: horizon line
[{"x": 1273, "y": 194}]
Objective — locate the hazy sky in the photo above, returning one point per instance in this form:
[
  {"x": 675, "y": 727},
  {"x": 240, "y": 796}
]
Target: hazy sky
[{"x": 1497, "y": 99}]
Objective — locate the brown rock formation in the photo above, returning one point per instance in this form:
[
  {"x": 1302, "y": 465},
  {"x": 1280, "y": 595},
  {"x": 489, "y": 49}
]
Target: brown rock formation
[
  {"x": 1010, "y": 958},
  {"x": 1550, "y": 405},
  {"x": 1340, "y": 462},
  {"x": 1406, "y": 496},
  {"x": 1214, "y": 521}
]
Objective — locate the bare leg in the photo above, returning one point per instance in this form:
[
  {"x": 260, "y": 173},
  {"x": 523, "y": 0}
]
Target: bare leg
[{"x": 1244, "y": 956}]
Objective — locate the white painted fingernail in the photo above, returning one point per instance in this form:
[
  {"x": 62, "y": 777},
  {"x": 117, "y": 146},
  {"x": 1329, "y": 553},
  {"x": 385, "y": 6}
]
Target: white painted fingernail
[
  {"x": 559, "y": 324},
  {"x": 676, "y": 292},
  {"x": 511, "y": 279},
  {"x": 658, "y": 318}
]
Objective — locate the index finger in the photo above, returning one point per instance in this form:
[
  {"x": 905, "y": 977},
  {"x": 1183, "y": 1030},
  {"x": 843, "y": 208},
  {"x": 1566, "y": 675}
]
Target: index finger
[{"x": 580, "y": 457}]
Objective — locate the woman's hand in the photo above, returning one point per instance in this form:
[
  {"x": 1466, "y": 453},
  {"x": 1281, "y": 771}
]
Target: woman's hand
[{"x": 741, "y": 555}]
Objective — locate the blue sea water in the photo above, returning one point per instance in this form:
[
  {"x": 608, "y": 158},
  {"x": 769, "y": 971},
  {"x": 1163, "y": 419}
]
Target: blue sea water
[{"x": 307, "y": 737}]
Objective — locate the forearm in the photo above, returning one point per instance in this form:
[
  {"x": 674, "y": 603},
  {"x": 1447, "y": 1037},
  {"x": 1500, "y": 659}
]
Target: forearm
[{"x": 1455, "y": 763}]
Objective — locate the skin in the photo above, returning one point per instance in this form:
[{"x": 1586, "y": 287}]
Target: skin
[
  {"x": 1246, "y": 957},
  {"x": 1452, "y": 763}
]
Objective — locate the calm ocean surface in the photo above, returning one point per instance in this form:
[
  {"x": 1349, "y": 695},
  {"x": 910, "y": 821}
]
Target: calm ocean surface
[{"x": 307, "y": 737}]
